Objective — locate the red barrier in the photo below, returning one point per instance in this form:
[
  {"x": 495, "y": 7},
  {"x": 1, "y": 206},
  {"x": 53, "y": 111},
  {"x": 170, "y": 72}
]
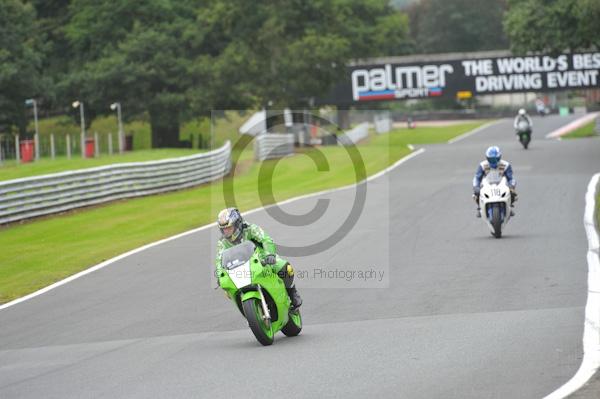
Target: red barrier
[
  {"x": 89, "y": 148},
  {"x": 26, "y": 148}
]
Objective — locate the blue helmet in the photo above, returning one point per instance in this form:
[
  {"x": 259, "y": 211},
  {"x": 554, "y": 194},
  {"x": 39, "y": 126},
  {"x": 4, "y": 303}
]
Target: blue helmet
[{"x": 493, "y": 155}]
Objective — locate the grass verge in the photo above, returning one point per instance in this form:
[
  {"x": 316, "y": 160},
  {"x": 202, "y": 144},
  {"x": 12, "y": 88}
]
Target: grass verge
[
  {"x": 586, "y": 130},
  {"x": 38, "y": 253}
]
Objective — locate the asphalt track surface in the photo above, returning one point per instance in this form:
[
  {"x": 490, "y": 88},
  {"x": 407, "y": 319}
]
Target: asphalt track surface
[{"x": 459, "y": 314}]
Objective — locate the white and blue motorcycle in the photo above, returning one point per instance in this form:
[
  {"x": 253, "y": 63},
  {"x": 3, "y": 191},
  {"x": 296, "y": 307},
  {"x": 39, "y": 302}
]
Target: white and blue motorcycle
[{"x": 494, "y": 202}]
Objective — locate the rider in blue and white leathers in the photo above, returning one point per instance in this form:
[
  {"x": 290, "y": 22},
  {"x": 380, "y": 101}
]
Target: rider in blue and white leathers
[{"x": 494, "y": 160}]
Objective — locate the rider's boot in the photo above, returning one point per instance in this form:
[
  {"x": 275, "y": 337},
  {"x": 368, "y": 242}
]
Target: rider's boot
[
  {"x": 476, "y": 199},
  {"x": 295, "y": 297},
  {"x": 513, "y": 198},
  {"x": 287, "y": 275}
]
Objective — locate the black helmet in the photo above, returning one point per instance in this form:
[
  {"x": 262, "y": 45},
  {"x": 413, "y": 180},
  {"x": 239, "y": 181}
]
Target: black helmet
[{"x": 231, "y": 224}]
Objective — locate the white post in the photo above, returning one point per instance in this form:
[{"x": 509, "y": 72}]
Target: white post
[
  {"x": 96, "y": 145},
  {"x": 121, "y": 138},
  {"x": 110, "y": 150},
  {"x": 121, "y": 135},
  {"x": 52, "y": 149},
  {"x": 37, "y": 132},
  {"x": 36, "y": 143},
  {"x": 82, "y": 130},
  {"x": 17, "y": 149},
  {"x": 79, "y": 104},
  {"x": 68, "y": 137}
]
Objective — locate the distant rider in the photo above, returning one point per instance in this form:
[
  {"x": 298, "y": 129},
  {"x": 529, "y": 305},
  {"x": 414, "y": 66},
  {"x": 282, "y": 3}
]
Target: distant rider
[
  {"x": 522, "y": 116},
  {"x": 494, "y": 161},
  {"x": 234, "y": 230},
  {"x": 540, "y": 107}
]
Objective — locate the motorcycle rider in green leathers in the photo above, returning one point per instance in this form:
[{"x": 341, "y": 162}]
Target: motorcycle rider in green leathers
[{"x": 234, "y": 230}]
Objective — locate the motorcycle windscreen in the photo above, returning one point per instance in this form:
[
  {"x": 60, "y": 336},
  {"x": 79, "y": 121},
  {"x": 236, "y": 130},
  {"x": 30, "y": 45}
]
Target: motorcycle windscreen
[
  {"x": 494, "y": 177},
  {"x": 236, "y": 256}
]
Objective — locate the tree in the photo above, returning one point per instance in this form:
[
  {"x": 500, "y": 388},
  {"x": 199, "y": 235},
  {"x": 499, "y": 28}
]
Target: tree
[
  {"x": 287, "y": 52},
  {"x": 49, "y": 29},
  {"x": 135, "y": 52},
  {"x": 20, "y": 62},
  {"x": 444, "y": 26},
  {"x": 179, "y": 59},
  {"x": 553, "y": 26}
]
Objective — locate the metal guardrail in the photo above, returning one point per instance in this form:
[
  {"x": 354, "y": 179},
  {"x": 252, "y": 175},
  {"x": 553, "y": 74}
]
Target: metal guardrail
[
  {"x": 273, "y": 145},
  {"x": 354, "y": 135},
  {"x": 43, "y": 195},
  {"x": 383, "y": 123}
]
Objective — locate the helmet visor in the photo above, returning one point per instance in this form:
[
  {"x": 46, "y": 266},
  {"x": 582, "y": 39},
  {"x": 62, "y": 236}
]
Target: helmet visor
[
  {"x": 493, "y": 161},
  {"x": 227, "y": 231}
]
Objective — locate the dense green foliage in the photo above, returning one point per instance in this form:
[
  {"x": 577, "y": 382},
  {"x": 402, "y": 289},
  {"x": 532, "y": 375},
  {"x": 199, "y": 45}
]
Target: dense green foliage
[
  {"x": 443, "y": 26},
  {"x": 20, "y": 62},
  {"x": 175, "y": 60},
  {"x": 553, "y": 25},
  {"x": 172, "y": 61}
]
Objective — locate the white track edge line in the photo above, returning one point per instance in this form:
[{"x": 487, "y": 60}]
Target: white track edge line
[
  {"x": 590, "y": 364},
  {"x": 156, "y": 243},
  {"x": 472, "y": 132}
]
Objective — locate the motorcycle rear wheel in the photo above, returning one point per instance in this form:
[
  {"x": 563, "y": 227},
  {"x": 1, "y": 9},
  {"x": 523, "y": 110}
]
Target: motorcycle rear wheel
[
  {"x": 525, "y": 139},
  {"x": 294, "y": 324}
]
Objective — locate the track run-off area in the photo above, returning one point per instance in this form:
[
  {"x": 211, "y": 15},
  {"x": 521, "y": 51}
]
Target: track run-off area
[{"x": 457, "y": 313}]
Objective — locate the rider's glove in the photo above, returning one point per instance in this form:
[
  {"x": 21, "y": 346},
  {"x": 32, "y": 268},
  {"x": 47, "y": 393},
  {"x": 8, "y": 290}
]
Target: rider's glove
[{"x": 270, "y": 260}]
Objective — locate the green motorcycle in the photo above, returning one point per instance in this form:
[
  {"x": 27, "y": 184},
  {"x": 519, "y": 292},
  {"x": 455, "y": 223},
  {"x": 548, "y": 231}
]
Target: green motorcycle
[{"x": 258, "y": 293}]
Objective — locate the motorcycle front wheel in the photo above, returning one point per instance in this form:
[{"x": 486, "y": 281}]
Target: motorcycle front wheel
[
  {"x": 496, "y": 221},
  {"x": 261, "y": 328}
]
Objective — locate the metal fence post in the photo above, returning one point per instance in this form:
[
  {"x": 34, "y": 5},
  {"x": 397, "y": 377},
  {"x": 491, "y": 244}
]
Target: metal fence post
[
  {"x": 36, "y": 143},
  {"x": 52, "y": 149},
  {"x": 110, "y": 149},
  {"x": 17, "y": 149},
  {"x": 598, "y": 124},
  {"x": 68, "y": 140},
  {"x": 96, "y": 145}
]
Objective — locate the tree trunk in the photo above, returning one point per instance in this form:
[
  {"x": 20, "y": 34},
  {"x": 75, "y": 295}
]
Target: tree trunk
[{"x": 164, "y": 124}]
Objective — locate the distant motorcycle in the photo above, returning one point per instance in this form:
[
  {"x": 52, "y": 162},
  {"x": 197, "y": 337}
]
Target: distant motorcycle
[
  {"x": 524, "y": 133},
  {"x": 258, "y": 293},
  {"x": 494, "y": 202}
]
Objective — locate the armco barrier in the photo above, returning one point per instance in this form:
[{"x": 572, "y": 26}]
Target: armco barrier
[
  {"x": 42, "y": 195},
  {"x": 354, "y": 135},
  {"x": 273, "y": 145},
  {"x": 383, "y": 123}
]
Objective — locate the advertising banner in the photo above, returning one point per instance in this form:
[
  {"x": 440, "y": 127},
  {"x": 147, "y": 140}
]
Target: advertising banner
[{"x": 466, "y": 78}]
